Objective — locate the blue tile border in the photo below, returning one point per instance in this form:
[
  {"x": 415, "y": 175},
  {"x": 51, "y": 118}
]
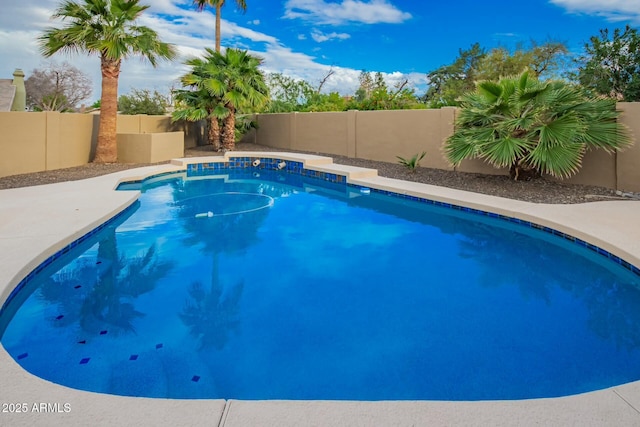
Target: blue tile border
[
  {"x": 47, "y": 262},
  {"x": 268, "y": 163},
  {"x": 625, "y": 264},
  {"x": 263, "y": 163}
]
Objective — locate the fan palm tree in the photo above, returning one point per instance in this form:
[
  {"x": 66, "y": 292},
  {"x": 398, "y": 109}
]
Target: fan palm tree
[
  {"x": 533, "y": 127},
  {"x": 221, "y": 85},
  {"x": 218, "y": 5},
  {"x": 105, "y": 28},
  {"x": 198, "y": 102}
]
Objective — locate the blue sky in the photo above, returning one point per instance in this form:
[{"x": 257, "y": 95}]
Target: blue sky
[{"x": 307, "y": 38}]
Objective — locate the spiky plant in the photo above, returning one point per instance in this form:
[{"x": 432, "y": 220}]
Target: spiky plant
[
  {"x": 412, "y": 163},
  {"x": 533, "y": 127}
]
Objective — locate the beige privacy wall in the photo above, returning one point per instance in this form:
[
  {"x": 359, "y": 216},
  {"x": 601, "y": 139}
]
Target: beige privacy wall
[
  {"x": 383, "y": 135},
  {"x": 34, "y": 142},
  {"x": 628, "y": 162}
]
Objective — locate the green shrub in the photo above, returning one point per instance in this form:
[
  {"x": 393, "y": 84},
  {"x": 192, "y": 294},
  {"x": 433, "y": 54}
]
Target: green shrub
[
  {"x": 143, "y": 102},
  {"x": 412, "y": 163}
]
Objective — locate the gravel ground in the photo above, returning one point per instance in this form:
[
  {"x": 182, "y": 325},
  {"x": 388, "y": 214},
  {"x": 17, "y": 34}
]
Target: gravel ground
[{"x": 538, "y": 191}]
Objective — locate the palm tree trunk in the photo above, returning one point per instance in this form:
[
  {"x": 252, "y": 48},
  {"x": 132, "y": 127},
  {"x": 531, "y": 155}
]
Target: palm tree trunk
[
  {"x": 229, "y": 131},
  {"x": 214, "y": 133},
  {"x": 218, "y": 11},
  {"x": 521, "y": 171},
  {"x": 107, "y": 149}
]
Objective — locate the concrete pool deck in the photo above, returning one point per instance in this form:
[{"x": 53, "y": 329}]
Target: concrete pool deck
[{"x": 36, "y": 222}]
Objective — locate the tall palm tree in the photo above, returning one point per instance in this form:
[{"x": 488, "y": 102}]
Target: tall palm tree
[
  {"x": 106, "y": 28},
  {"x": 222, "y": 84},
  {"x": 533, "y": 127},
  {"x": 218, "y": 5},
  {"x": 241, "y": 87}
]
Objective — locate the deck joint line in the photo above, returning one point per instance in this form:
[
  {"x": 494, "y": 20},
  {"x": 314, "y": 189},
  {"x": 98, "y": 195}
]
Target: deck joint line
[
  {"x": 225, "y": 413},
  {"x": 626, "y": 401}
]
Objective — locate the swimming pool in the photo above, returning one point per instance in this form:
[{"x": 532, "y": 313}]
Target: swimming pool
[{"x": 279, "y": 329}]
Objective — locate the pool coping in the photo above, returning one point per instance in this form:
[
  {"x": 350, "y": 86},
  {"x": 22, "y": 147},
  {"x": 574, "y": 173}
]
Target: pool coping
[{"x": 36, "y": 222}]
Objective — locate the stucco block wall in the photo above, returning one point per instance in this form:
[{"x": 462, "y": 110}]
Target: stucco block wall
[
  {"x": 128, "y": 124},
  {"x": 598, "y": 168},
  {"x": 38, "y": 141},
  {"x": 150, "y": 147},
  {"x": 383, "y": 135},
  {"x": 628, "y": 161},
  {"x": 73, "y": 142},
  {"x": 195, "y": 133},
  {"x": 22, "y": 142},
  {"x": 150, "y": 124},
  {"x": 325, "y": 132},
  {"x": 274, "y": 130}
]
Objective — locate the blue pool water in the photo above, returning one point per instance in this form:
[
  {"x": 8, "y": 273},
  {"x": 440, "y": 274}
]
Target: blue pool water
[{"x": 288, "y": 287}]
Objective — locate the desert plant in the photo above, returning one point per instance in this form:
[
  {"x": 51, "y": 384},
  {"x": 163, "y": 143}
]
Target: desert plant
[
  {"x": 412, "y": 163},
  {"x": 533, "y": 127},
  {"x": 219, "y": 86}
]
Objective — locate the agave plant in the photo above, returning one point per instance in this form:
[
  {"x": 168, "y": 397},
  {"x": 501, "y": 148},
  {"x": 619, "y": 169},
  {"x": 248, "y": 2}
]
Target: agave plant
[
  {"x": 412, "y": 163},
  {"x": 533, "y": 127}
]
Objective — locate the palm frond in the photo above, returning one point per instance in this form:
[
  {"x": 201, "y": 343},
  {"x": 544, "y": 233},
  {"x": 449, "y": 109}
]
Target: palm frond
[
  {"x": 503, "y": 152},
  {"x": 547, "y": 125},
  {"x": 559, "y": 160}
]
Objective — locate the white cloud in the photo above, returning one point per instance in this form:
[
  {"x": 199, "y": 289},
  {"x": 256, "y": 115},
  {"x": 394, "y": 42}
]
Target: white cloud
[
  {"x": 254, "y": 22},
  {"x": 320, "y": 37},
  {"x": 345, "y": 11},
  {"x": 191, "y": 31},
  {"x": 613, "y": 10}
]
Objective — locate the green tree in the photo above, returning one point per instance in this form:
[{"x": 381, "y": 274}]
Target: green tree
[
  {"x": 325, "y": 102},
  {"x": 221, "y": 86},
  {"x": 143, "y": 102},
  {"x": 374, "y": 94},
  {"x": 378, "y": 83},
  {"x": 449, "y": 82},
  {"x": 542, "y": 60},
  {"x": 217, "y": 4},
  {"x": 366, "y": 86},
  {"x": 610, "y": 65},
  {"x": 106, "y": 28},
  {"x": 287, "y": 94},
  {"x": 550, "y": 59},
  {"x": 533, "y": 127}
]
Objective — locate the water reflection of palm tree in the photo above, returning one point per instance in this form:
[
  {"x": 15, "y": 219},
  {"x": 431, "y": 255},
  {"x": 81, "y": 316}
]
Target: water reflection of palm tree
[
  {"x": 100, "y": 295},
  {"x": 212, "y": 315}
]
